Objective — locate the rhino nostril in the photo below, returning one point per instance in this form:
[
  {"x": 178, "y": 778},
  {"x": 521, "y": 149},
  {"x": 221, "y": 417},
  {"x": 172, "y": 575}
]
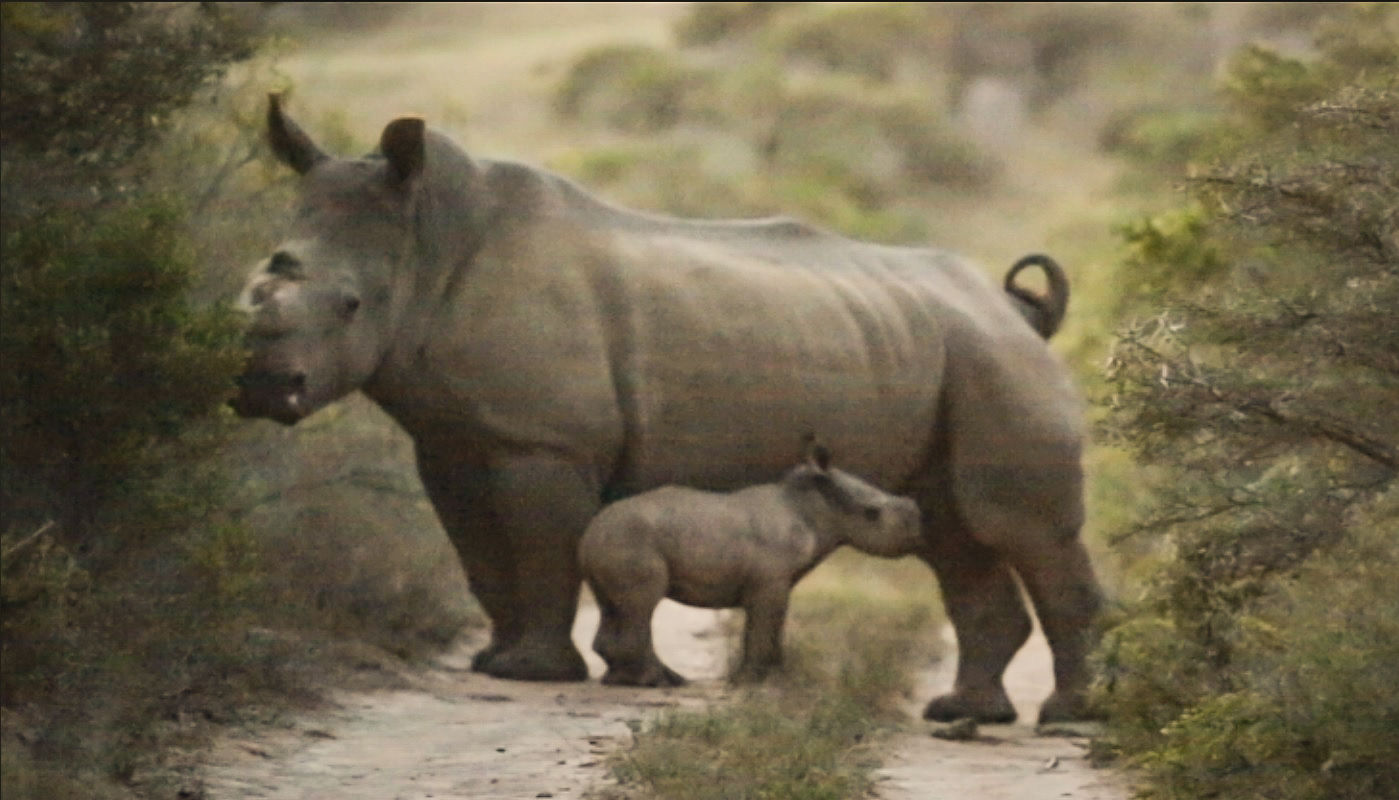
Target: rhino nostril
[{"x": 298, "y": 381}]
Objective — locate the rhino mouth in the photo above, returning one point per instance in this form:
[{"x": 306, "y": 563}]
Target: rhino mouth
[{"x": 277, "y": 396}]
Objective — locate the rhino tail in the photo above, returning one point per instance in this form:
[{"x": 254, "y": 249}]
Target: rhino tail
[{"x": 1045, "y": 312}]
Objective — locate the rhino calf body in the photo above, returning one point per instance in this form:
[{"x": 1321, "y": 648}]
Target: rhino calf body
[{"x": 728, "y": 550}]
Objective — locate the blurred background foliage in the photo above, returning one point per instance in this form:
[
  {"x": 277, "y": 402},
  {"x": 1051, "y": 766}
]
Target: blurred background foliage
[{"x": 1219, "y": 179}]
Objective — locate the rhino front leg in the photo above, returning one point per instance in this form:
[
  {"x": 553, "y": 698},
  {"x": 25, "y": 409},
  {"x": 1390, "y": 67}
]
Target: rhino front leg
[
  {"x": 540, "y": 504},
  {"x": 989, "y": 617},
  {"x": 765, "y": 612},
  {"x": 459, "y": 495}
]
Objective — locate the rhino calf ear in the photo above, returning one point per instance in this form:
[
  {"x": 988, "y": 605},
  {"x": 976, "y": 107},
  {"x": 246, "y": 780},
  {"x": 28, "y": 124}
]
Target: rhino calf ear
[
  {"x": 290, "y": 144},
  {"x": 402, "y": 145}
]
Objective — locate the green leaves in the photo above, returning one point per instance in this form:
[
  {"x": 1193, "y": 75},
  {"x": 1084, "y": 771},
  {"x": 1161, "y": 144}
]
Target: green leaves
[{"x": 1262, "y": 389}]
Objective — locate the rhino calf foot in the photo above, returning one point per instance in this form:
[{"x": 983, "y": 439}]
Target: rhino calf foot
[
  {"x": 1066, "y": 707},
  {"x": 538, "y": 663},
  {"x": 988, "y": 707},
  {"x": 658, "y": 676},
  {"x": 746, "y": 674}
]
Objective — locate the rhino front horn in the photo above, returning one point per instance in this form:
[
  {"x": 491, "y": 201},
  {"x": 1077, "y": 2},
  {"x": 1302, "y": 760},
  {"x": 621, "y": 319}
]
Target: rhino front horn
[{"x": 291, "y": 144}]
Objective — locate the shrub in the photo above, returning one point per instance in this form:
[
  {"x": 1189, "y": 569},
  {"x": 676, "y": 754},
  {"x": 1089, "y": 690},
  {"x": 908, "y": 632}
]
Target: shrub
[
  {"x": 711, "y": 23},
  {"x": 629, "y": 87},
  {"x": 865, "y": 39},
  {"x": 1262, "y": 391}
]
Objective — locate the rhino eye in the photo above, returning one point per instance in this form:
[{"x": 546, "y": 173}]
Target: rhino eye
[
  {"x": 284, "y": 264},
  {"x": 872, "y": 514},
  {"x": 349, "y": 305}
]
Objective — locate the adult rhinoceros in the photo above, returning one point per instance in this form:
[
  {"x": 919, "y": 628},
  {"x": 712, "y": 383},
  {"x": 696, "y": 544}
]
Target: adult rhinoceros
[{"x": 548, "y": 352}]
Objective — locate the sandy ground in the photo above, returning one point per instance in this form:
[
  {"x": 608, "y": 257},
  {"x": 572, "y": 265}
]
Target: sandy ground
[
  {"x": 462, "y": 735},
  {"x": 1006, "y": 762}
]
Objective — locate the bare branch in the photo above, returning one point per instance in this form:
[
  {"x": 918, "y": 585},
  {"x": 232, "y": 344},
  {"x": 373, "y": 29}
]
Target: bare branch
[
  {"x": 26, "y": 541},
  {"x": 1368, "y": 446}
]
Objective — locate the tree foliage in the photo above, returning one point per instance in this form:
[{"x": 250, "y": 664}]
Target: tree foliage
[
  {"x": 117, "y": 577},
  {"x": 106, "y": 364},
  {"x": 1262, "y": 387}
]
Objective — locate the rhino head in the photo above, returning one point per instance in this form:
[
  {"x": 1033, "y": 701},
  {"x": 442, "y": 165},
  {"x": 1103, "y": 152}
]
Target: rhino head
[
  {"x": 323, "y": 306},
  {"x": 850, "y": 511}
]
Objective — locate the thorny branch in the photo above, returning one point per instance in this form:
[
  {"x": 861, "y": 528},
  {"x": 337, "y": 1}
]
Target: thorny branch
[{"x": 1273, "y": 410}]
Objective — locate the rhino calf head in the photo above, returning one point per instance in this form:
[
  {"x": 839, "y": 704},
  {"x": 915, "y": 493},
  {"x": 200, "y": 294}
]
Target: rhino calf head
[
  {"x": 745, "y": 549},
  {"x": 839, "y": 508}
]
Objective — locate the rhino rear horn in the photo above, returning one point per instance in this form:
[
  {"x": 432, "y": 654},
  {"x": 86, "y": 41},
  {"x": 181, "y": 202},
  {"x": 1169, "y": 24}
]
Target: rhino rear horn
[
  {"x": 291, "y": 144},
  {"x": 402, "y": 145}
]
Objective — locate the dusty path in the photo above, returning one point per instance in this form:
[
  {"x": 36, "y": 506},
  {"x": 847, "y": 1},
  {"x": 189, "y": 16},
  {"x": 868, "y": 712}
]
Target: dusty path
[
  {"x": 1007, "y": 762},
  {"x": 463, "y": 735}
]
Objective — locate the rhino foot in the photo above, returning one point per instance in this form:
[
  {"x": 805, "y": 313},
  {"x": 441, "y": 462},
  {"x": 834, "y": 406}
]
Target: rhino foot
[
  {"x": 524, "y": 663},
  {"x": 483, "y": 657},
  {"x": 1066, "y": 707},
  {"x": 987, "y": 707}
]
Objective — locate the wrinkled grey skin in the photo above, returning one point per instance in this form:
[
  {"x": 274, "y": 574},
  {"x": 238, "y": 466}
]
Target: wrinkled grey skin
[
  {"x": 548, "y": 353},
  {"x": 744, "y": 549}
]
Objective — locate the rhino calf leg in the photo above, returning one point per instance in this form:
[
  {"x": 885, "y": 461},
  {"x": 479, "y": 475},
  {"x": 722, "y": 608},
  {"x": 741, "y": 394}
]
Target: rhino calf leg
[
  {"x": 765, "y": 613},
  {"x": 624, "y": 637},
  {"x": 991, "y": 623}
]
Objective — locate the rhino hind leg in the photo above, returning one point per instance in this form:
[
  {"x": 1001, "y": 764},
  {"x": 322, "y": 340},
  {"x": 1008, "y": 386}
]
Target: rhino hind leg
[
  {"x": 991, "y": 623},
  {"x": 624, "y": 636},
  {"x": 1064, "y": 590}
]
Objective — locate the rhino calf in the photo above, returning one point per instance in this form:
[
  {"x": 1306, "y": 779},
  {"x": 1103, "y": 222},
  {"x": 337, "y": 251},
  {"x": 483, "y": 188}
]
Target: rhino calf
[{"x": 742, "y": 549}]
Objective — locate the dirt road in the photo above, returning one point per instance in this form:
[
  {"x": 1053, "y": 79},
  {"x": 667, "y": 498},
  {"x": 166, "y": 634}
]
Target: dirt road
[
  {"x": 1006, "y": 762},
  {"x": 462, "y": 735}
]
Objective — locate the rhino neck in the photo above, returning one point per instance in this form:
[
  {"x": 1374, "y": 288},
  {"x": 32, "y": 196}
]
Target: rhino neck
[
  {"x": 814, "y": 516},
  {"x": 450, "y": 223}
]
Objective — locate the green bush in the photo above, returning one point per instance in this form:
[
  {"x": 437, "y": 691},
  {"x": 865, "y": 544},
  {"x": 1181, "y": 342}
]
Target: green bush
[
  {"x": 630, "y": 87},
  {"x": 105, "y": 361},
  {"x": 865, "y": 39},
  {"x": 711, "y": 23},
  {"x": 1164, "y": 138},
  {"x": 1261, "y": 391}
]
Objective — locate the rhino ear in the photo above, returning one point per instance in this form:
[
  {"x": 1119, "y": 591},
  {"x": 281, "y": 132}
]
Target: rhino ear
[
  {"x": 818, "y": 456},
  {"x": 291, "y": 144},
  {"x": 402, "y": 144}
]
